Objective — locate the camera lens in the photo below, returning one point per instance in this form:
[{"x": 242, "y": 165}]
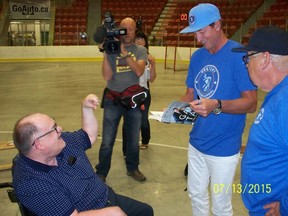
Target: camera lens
[{"x": 113, "y": 47}]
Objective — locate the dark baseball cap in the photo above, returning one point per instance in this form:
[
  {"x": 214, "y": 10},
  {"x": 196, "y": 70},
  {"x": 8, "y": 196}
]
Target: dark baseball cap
[{"x": 267, "y": 39}]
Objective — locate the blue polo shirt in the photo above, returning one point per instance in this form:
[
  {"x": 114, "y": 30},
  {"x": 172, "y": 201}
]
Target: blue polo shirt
[
  {"x": 265, "y": 160},
  {"x": 59, "y": 190}
]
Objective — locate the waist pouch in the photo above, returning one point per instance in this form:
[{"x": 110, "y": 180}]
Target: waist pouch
[{"x": 132, "y": 97}]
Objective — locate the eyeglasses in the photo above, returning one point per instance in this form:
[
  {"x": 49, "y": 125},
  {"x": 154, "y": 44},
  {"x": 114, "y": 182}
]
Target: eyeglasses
[
  {"x": 139, "y": 39},
  {"x": 54, "y": 128},
  {"x": 246, "y": 58}
]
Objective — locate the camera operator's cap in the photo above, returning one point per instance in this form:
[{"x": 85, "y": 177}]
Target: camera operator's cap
[
  {"x": 201, "y": 16},
  {"x": 267, "y": 39}
]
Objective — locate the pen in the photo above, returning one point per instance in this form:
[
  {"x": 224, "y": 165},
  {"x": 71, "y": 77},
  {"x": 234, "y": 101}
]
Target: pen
[{"x": 199, "y": 99}]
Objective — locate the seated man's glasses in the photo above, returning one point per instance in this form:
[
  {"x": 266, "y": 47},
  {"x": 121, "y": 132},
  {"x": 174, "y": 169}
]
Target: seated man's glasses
[
  {"x": 246, "y": 58},
  {"x": 54, "y": 128}
]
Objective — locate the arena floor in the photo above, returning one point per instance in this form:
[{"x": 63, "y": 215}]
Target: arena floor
[{"x": 56, "y": 88}]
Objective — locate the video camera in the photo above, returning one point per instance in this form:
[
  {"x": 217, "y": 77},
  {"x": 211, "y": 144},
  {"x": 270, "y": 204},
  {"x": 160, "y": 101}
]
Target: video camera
[{"x": 107, "y": 34}]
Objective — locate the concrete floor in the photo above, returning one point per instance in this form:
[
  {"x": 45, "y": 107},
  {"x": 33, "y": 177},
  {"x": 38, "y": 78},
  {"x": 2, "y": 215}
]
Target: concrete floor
[{"x": 56, "y": 88}]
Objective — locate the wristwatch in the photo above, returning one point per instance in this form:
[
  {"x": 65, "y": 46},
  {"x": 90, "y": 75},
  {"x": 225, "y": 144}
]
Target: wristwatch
[{"x": 218, "y": 109}]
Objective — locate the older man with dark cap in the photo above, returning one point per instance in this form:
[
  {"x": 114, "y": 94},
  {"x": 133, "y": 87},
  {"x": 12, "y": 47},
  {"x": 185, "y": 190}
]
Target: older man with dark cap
[
  {"x": 264, "y": 178},
  {"x": 219, "y": 78}
]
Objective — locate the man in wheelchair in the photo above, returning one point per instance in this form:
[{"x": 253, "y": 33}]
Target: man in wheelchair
[{"x": 52, "y": 174}]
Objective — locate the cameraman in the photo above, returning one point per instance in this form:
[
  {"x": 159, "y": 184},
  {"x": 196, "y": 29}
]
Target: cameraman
[{"x": 121, "y": 72}]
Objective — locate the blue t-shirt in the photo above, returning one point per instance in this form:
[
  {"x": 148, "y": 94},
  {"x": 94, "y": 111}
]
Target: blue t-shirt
[
  {"x": 265, "y": 160},
  {"x": 223, "y": 76},
  {"x": 59, "y": 190}
]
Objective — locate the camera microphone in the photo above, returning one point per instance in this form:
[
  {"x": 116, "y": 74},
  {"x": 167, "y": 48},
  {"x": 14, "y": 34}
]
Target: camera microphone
[
  {"x": 71, "y": 160},
  {"x": 100, "y": 34}
]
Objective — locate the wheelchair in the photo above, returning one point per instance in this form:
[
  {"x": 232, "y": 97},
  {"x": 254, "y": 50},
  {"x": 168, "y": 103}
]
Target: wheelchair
[{"x": 12, "y": 196}]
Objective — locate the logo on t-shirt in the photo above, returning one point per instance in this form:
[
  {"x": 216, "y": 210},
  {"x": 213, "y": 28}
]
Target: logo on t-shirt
[
  {"x": 259, "y": 117},
  {"x": 206, "y": 81},
  {"x": 121, "y": 64}
]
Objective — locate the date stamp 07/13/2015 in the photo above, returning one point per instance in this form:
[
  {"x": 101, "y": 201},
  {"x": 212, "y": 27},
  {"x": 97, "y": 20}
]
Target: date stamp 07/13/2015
[{"x": 239, "y": 188}]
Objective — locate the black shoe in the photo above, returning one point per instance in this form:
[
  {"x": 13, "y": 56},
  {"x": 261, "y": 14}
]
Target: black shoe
[
  {"x": 186, "y": 170},
  {"x": 137, "y": 175}
]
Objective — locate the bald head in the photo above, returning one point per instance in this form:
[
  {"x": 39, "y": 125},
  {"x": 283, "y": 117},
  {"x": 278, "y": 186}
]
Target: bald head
[
  {"x": 128, "y": 21},
  {"x": 25, "y": 129},
  {"x": 130, "y": 25}
]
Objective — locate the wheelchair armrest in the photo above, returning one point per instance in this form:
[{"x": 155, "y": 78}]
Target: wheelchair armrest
[
  {"x": 6, "y": 184},
  {"x": 11, "y": 194}
]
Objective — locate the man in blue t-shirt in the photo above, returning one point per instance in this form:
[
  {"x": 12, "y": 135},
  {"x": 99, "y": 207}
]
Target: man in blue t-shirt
[
  {"x": 264, "y": 178},
  {"x": 220, "y": 91},
  {"x": 52, "y": 174}
]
